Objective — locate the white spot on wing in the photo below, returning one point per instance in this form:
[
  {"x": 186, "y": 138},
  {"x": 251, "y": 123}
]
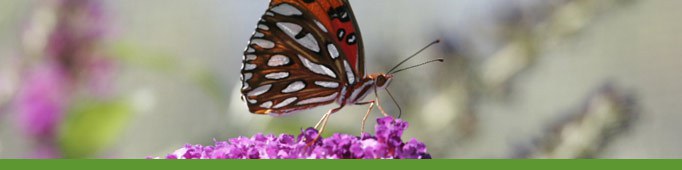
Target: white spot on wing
[
  {"x": 316, "y": 68},
  {"x": 258, "y": 34},
  {"x": 309, "y": 42},
  {"x": 349, "y": 72},
  {"x": 351, "y": 39},
  {"x": 277, "y": 76},
  {"x": 263, "y": 27},
  {"x": 286, "y": 10},
  {"x": 327, "y": 84},
  {"x": 248, "y": 67},
  {"x": 246, "y": 76},
  {"x": 318, "y": 99},
  {"x": 333, "y": 52},
  {"x": 285, "y": 102},
  {"x": 278, "y": 60},
  {"x": 263, "y": 43},
  {"x": 319, "y": 24},
  {"x": 250, "y": 57},
  {"x": 260, "y": 90},
  {"x": 266, "y": 105},
  {"x": 245, "y": 85},
  {"x": 250, "y": 50},
  {"x": 294, "y": 87},
  {"x": 291, "y": 29}
]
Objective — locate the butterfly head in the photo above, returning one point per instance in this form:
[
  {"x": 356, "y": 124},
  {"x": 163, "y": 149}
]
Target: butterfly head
[{"x": 381, "y": 80}]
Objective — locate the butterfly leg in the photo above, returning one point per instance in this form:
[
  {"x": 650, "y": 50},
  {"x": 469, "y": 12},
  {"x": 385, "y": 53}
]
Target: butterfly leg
[
  {"x": 324, "y": 117},
  {"x": 371, "y": 106},
  {"x": 378, "y": 102},
  {"x": 323, "y": 123},
  {"x": 364, "y": 119}
]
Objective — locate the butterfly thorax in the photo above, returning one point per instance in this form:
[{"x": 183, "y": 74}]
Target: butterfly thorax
[{"x": 365, "y": 86}]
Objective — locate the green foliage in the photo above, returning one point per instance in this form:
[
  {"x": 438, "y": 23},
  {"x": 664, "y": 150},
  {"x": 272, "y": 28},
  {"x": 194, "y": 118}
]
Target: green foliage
[{"x": 93, "y": 126}]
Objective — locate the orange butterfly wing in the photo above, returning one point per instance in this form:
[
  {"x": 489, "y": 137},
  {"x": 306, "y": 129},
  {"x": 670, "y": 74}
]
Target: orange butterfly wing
[{"x": 337, "y": 15}]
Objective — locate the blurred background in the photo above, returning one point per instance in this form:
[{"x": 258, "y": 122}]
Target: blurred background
[{"x": 522, "y": 78}]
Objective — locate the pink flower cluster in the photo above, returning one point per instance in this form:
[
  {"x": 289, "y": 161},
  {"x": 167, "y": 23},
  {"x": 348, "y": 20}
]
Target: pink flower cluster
[{"x": 387, "y": 144}]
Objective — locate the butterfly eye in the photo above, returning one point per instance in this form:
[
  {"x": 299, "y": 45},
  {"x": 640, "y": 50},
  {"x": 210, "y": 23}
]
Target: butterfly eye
[{"x": 381, "y": 81}]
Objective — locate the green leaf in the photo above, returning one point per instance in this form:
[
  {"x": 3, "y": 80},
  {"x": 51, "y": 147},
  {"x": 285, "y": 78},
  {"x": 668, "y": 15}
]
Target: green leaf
[{"x": 92, "y": 126}]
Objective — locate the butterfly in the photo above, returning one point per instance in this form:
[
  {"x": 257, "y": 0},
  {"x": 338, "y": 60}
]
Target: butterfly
[{"x": 305, "y": 54}]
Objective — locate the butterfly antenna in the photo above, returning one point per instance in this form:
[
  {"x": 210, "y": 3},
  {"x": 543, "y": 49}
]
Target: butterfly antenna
[
  {"x": 413, "y": 55},
  {"x": 436, "y": 60},
  {"x": 400, "y": 110}
]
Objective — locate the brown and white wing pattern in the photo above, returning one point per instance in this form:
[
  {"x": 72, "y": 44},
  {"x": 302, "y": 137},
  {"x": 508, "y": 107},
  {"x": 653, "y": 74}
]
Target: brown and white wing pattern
[{"x": 291, "y": 63}]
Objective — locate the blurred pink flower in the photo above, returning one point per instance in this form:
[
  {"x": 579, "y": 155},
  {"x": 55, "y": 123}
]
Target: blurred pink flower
[
  {"x": 70, "y": 59},
  {"x": 81, "y": 24},
  {"x": 41, "y": 101}
]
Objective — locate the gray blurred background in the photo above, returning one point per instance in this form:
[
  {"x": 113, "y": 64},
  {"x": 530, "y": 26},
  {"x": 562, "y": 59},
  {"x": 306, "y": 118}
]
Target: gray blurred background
[{"x": 522, "y": 78}]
